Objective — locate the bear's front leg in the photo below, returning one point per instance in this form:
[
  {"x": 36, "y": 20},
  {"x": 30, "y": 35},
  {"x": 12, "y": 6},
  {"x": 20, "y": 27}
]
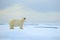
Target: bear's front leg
[{"x": 21, "y": 26}]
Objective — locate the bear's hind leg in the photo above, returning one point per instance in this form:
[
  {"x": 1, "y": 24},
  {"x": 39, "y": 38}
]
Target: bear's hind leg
[{"x": 11, "y": 26}]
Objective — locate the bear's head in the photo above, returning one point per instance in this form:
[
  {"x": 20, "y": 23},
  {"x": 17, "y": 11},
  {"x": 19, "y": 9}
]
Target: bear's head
[{"x": 24, "y": 18}]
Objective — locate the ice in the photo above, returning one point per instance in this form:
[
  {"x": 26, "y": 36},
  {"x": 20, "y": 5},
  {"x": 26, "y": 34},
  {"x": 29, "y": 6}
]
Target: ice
[{"x": 30, "y": 32}]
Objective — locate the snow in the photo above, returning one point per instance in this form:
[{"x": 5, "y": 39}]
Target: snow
[{"x": 30, "y": 32}]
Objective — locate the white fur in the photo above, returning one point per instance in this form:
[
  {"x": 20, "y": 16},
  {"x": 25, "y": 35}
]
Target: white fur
[{"x": 16, "y": 22}]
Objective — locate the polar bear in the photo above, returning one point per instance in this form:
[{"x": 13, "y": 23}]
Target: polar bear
[{"x": 17, "y": 22}]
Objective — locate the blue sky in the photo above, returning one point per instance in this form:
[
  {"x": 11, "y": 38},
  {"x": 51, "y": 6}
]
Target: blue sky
[
  {"x": 37, "y": 5},
  {"x": 33, "y": 10}
]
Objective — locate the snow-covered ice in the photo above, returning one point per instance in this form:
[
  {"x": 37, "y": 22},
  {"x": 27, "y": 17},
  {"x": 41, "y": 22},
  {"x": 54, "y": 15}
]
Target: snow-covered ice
[{"x": 30, "y": 32}]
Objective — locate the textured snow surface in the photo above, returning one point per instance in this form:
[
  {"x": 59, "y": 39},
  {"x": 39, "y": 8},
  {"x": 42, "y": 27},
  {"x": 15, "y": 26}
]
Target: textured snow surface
[{"x": 30, "y": 32}]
